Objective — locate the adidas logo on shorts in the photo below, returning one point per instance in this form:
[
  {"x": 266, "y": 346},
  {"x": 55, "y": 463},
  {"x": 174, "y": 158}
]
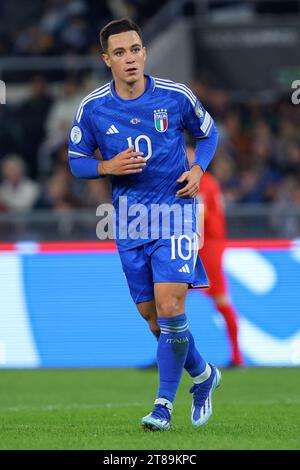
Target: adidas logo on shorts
[{"x": 184, "y": 269}]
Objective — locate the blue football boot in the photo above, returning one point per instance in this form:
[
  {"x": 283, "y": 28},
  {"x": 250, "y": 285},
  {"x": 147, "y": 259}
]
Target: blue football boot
[
  {"x": 159, "y": 419},
  {"x": 202, "y": 404}
]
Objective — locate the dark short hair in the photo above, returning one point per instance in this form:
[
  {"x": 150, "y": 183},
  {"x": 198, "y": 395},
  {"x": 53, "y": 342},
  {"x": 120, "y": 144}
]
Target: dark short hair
[{"x": 116, "y": 27}]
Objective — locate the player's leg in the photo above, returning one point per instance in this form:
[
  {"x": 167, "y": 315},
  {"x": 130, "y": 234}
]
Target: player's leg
[
  {"x": 193, "y": 360},
  {"x": 176, "y": 343},
  {"x": 149, "y": 314},
  {"x": 173, "y": 344},
  {"x": 224, "y": 306},
  {"x": 194, "y": 363},
  {"x": 211, "y": 255}
]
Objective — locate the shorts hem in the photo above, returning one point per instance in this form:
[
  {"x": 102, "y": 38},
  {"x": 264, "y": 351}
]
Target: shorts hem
[
  {"x": 146, "y": 299},
  {"x": 180, "y": 281},
  {"x": 199, "y": 286}
]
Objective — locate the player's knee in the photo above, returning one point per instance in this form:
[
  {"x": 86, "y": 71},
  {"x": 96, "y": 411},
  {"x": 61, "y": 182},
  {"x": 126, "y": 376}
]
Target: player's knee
[
  {"x": 169, "y": 307},
  {"x": 221, "y": 300}
]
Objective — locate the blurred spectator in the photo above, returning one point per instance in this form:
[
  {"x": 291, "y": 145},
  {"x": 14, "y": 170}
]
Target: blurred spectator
[
  {"x": 250, "y": 188},
  {"x": 75, "y": 35},
  {"x": 58, "y": 26},
  {"x": 292, "y": 165},
  {"x": 33, "y": 113},
  {"x": 97, "y": 192},
  {"x": 235, "y": 139},
  {"x": 219, "y": 102},
  {"x": 62, "y": 111},
  {"x": 5, "y": 42},
  {"x": 11, "y": 132},
  {"x": 33, "y": 41},
  {"x": 58, "y": 193},
  {"x": 17, "y": 192},
  {"x": 58, "y": 122},
  {"x": 224, "y": 171},
  {"x": 284, "y": 216},
  {"x": 53, "y": 17}
]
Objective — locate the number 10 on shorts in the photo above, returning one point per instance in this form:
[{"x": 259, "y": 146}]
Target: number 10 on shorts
[{"x": 183, "y": 247}]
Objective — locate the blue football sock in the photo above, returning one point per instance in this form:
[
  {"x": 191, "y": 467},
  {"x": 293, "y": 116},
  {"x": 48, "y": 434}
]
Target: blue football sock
[
  {"x": 173, "y": 345},
  {"x": 194, "y": 364}
]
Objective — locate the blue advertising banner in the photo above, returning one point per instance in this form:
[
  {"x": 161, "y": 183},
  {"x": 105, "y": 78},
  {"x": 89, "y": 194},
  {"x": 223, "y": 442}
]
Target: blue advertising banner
[{"x": 73, "y": 309}]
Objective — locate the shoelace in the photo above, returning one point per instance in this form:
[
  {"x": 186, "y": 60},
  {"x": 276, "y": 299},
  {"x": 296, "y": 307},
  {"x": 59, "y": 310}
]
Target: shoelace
[
  {"x": 200, "y": 392},
  {"x": 161, "y": 412}
]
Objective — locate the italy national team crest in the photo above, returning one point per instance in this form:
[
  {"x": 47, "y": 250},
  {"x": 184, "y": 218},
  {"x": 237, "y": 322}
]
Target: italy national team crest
[{"x": 161, "y": 120}]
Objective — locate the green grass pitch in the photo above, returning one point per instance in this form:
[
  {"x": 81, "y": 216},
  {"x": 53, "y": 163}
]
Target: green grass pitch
[{"x": 254, "y": 408}]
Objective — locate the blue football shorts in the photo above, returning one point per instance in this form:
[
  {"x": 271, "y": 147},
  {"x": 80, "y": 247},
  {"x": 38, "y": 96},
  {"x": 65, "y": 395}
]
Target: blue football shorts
[{"x": 163, "y": 260}]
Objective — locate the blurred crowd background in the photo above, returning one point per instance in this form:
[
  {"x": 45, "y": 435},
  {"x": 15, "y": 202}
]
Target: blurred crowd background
[
  {"x": 258, "y": 157},
  {"x": 64, "y": 26}
]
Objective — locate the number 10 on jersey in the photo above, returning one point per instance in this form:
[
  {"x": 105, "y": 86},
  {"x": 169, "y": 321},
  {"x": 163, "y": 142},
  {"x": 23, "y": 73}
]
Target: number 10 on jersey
[{"x": 136, "y": 145}]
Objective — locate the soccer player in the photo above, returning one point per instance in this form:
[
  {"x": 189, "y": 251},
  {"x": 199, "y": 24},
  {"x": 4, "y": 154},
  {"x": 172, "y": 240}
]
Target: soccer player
[
  {"x": 211, "y": 254},
  {"x": 137, "y": 122}
]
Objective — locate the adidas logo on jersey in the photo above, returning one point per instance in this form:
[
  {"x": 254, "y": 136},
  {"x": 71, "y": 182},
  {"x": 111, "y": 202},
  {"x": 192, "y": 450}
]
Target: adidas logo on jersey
[
  {"x": 112, "y": 130},
  {"x": 184, "y": 269}
]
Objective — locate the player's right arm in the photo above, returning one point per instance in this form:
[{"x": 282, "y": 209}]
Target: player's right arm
[
  {"x": 83, "y": 164},
  {"x": 125, "y": 163}
]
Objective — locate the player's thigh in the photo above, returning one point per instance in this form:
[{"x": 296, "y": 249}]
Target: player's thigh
[
  {"x": 138, "y": 272},
  {"x": 172, "y": 263}
]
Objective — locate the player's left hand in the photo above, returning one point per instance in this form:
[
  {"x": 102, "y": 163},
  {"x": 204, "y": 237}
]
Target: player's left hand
[{"x": 193, "y": 179}]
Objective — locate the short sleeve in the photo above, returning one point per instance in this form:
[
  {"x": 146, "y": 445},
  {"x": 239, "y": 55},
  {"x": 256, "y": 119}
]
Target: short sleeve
[{"x": 195, "y": 118}]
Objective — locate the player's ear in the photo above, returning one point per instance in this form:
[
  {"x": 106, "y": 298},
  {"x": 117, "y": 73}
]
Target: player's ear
[{"x": 106, "y": 59}]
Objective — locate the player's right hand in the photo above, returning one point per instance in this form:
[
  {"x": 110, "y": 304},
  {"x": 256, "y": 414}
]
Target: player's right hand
[{"x": 127, "y": 162}]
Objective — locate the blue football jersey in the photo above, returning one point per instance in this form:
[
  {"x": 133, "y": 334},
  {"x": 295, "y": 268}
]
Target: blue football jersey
[{"x": 154, "y": 124}]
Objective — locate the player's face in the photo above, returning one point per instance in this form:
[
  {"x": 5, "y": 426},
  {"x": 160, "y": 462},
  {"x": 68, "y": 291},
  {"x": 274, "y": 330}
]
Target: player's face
[{"x": 126, "y": 56}]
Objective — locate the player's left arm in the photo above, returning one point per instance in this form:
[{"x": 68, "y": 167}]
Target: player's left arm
[
  {"x": 192, "y": 178},
  {"x": 200, "y": 125}
]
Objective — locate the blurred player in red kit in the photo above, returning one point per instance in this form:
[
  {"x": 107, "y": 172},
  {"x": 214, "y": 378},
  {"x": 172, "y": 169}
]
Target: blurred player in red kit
[{"x": 212, "y": 253}]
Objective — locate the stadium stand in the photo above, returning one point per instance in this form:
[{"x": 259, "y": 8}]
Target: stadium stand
[{"x": 258, "y": 159}]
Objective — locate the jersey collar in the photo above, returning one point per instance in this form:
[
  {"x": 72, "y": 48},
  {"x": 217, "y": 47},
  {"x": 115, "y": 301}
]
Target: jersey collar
[{"x": 150, "y": 86}]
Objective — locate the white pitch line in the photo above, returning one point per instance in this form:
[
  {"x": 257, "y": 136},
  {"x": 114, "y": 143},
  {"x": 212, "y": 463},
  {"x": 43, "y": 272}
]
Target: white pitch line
[{"x": 71, "y": 406}]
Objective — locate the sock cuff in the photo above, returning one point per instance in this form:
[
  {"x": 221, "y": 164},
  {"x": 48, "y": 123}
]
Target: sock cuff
[
  {"x": 165, "y": 402},
  {"x": 176, "y": 324},
  {"x": 203, "y": 376}
]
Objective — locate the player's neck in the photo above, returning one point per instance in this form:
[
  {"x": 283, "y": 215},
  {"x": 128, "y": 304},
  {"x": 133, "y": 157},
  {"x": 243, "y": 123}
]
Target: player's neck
[{"x": 132, "y": 90}]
